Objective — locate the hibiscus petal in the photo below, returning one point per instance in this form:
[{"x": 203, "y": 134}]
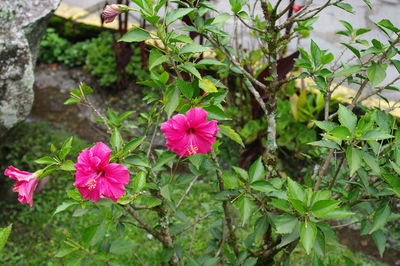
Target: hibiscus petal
[
  {"x": 25, "y": 190},
  {"x": 196, "y": 116},
  {"x": 92, "y": 194},
  {"x": 204, "y": 145},
  {"x": 17, "y": 174},
  {"x": 180, "y": 145},
  {"x": 113, "y": 190},
  {"x": 207, "y": 129},
  {"x": 116, "y": 173},
  {"x": 179, "y": 123},
  {"x": 101, "y": 151}
]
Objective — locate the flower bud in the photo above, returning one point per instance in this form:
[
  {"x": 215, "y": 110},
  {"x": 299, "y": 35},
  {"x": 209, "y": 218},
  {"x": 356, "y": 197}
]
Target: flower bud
[
  {"x": 296, "y": 8},
  {"x": 111, "y": 11}
]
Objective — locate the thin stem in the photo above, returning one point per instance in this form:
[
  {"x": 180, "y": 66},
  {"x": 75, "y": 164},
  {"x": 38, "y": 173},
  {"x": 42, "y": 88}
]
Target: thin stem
[
  {"x": 136, "y": 255},
  {"x": 176, "y": 167},
  {"x": 154, "y": 135},
  {"x": 184, "y": 195},
  {"x": 89, "y": 104},
  {"x": 323, "y": 169},
  {"x": 143, "y": 223},
  {"x": 191, "y": 225},
  {"x": 228, "y": 218},
  {"x": 336, "y": 173}
]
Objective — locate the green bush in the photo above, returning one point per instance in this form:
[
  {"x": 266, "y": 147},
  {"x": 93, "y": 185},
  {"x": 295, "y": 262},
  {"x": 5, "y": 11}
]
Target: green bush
[{"x": 96, "y": 54}]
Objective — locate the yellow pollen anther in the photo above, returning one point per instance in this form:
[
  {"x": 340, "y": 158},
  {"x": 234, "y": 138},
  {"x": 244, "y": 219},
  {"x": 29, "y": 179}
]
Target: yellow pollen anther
[
  {"x": 91, "y": 183},
  {"x": 192, "y": 149}
]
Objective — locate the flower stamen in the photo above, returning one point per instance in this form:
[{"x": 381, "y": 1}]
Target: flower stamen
[
  {"x": 91, "y": 184},
  {"x": 192, "y": 149}
]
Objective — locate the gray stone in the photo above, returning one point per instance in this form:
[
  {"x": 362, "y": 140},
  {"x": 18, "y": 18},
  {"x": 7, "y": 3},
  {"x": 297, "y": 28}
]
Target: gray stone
[{"x": 23, "y": 23}]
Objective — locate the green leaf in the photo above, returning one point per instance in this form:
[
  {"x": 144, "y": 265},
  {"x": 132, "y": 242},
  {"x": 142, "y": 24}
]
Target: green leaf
[
  {"x": 345, "y": 6},
  {"x": 138, "y": 160},
  {"x": 380, "y": 217},
  {"x": 230, "y": 181},
  {"x": 230, "y": 133},
  {"x": 241, "y": 172},
  {"x": 380, "y": 241},
  {"x": 371, "y": 162},
  {"x": 176, "y": 14},
  {"x": 121, "y": 247},
  {"x": 207, "y": 85},
  {"x": 338, "y": 214},
  {"x": 166, "y": 157},
  {"x": 85, "y": 89},
  {"x": 65, "y": 206},
  {"x": 74, "y": 194},
  {"x": 257, "y": 171},
  {"x": 280, "y": 204},
  {"x": 65, "y": 251},
  {"x": 210, "y": 61},
  {"x": 298, "y": 205},
  {"x": 4, "y": 233},
  {"x": 347, "y": 71},
  {"x": 68, "y": 166},
  {"x": 326, "y": 58},
  {"x": 295, "y": 191},
  {"x": 341, "y": 133},
  {"x": 66, "y": 148},
  {"x": 197, "y": 160},
  {"x": 99, "y": 235},
  {"x": 72, "y": 100},
  {"x": 116, "y": 140},
  {"x": 324, "y": 207},
  {"x": 215, "y": 112},
  {"x": 135, "y": 35},
  {"x": 246, "y": 208},
  {"x": 263, "y": 186},
  {"x": 375, "y": 135},
  {"x": 156, "y": 58},
  {"x": 171, "y": 100},
  {"x": 133, "y": 144},
  {"x": 385, "y": 23},
  {"x": 396, "y": 63},
  {"x": 285, "y": 224},
  {"x": 347, "y": 25},
  {"x": 354, "y": 157},
  {"x": 185, "y": 87},
  {"x": 193, "y": 48},
  {"x": 261, "y": 227},
  {"x": 315, "y": 53},
  {"x": 190, "y": 68},
  {"x": 368, "y": 3},
  {"x": 45, "y": 160},
  {"x": 308, "y": 233},
  {"x": 325, "y": 143},
  {"x": 376, "y": 73},
  {"x": 351, "y": 48},
  {"x": 347, "y": 118},
  {"x": 221, "y": 19},
  {"x": 361, "y": 31},
  {"x": 139, "y": 181},
  {"x": 325, "y": 125},
  {"x": 151, "y": 201}
]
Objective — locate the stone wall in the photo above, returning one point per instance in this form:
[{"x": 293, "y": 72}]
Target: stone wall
[{"x": 22, "y": 25}]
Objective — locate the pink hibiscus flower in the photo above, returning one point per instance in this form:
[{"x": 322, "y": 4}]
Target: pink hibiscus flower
[
  {"x": 25, "y": 185},
  {"x": 96, "y": 177},
  {"x": 191, "y": 133},
  {"x": 297, "y": 8}
]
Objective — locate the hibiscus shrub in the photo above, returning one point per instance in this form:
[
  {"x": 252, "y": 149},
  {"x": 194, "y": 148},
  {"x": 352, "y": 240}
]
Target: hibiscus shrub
[{"x": 256, "y": 210}]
